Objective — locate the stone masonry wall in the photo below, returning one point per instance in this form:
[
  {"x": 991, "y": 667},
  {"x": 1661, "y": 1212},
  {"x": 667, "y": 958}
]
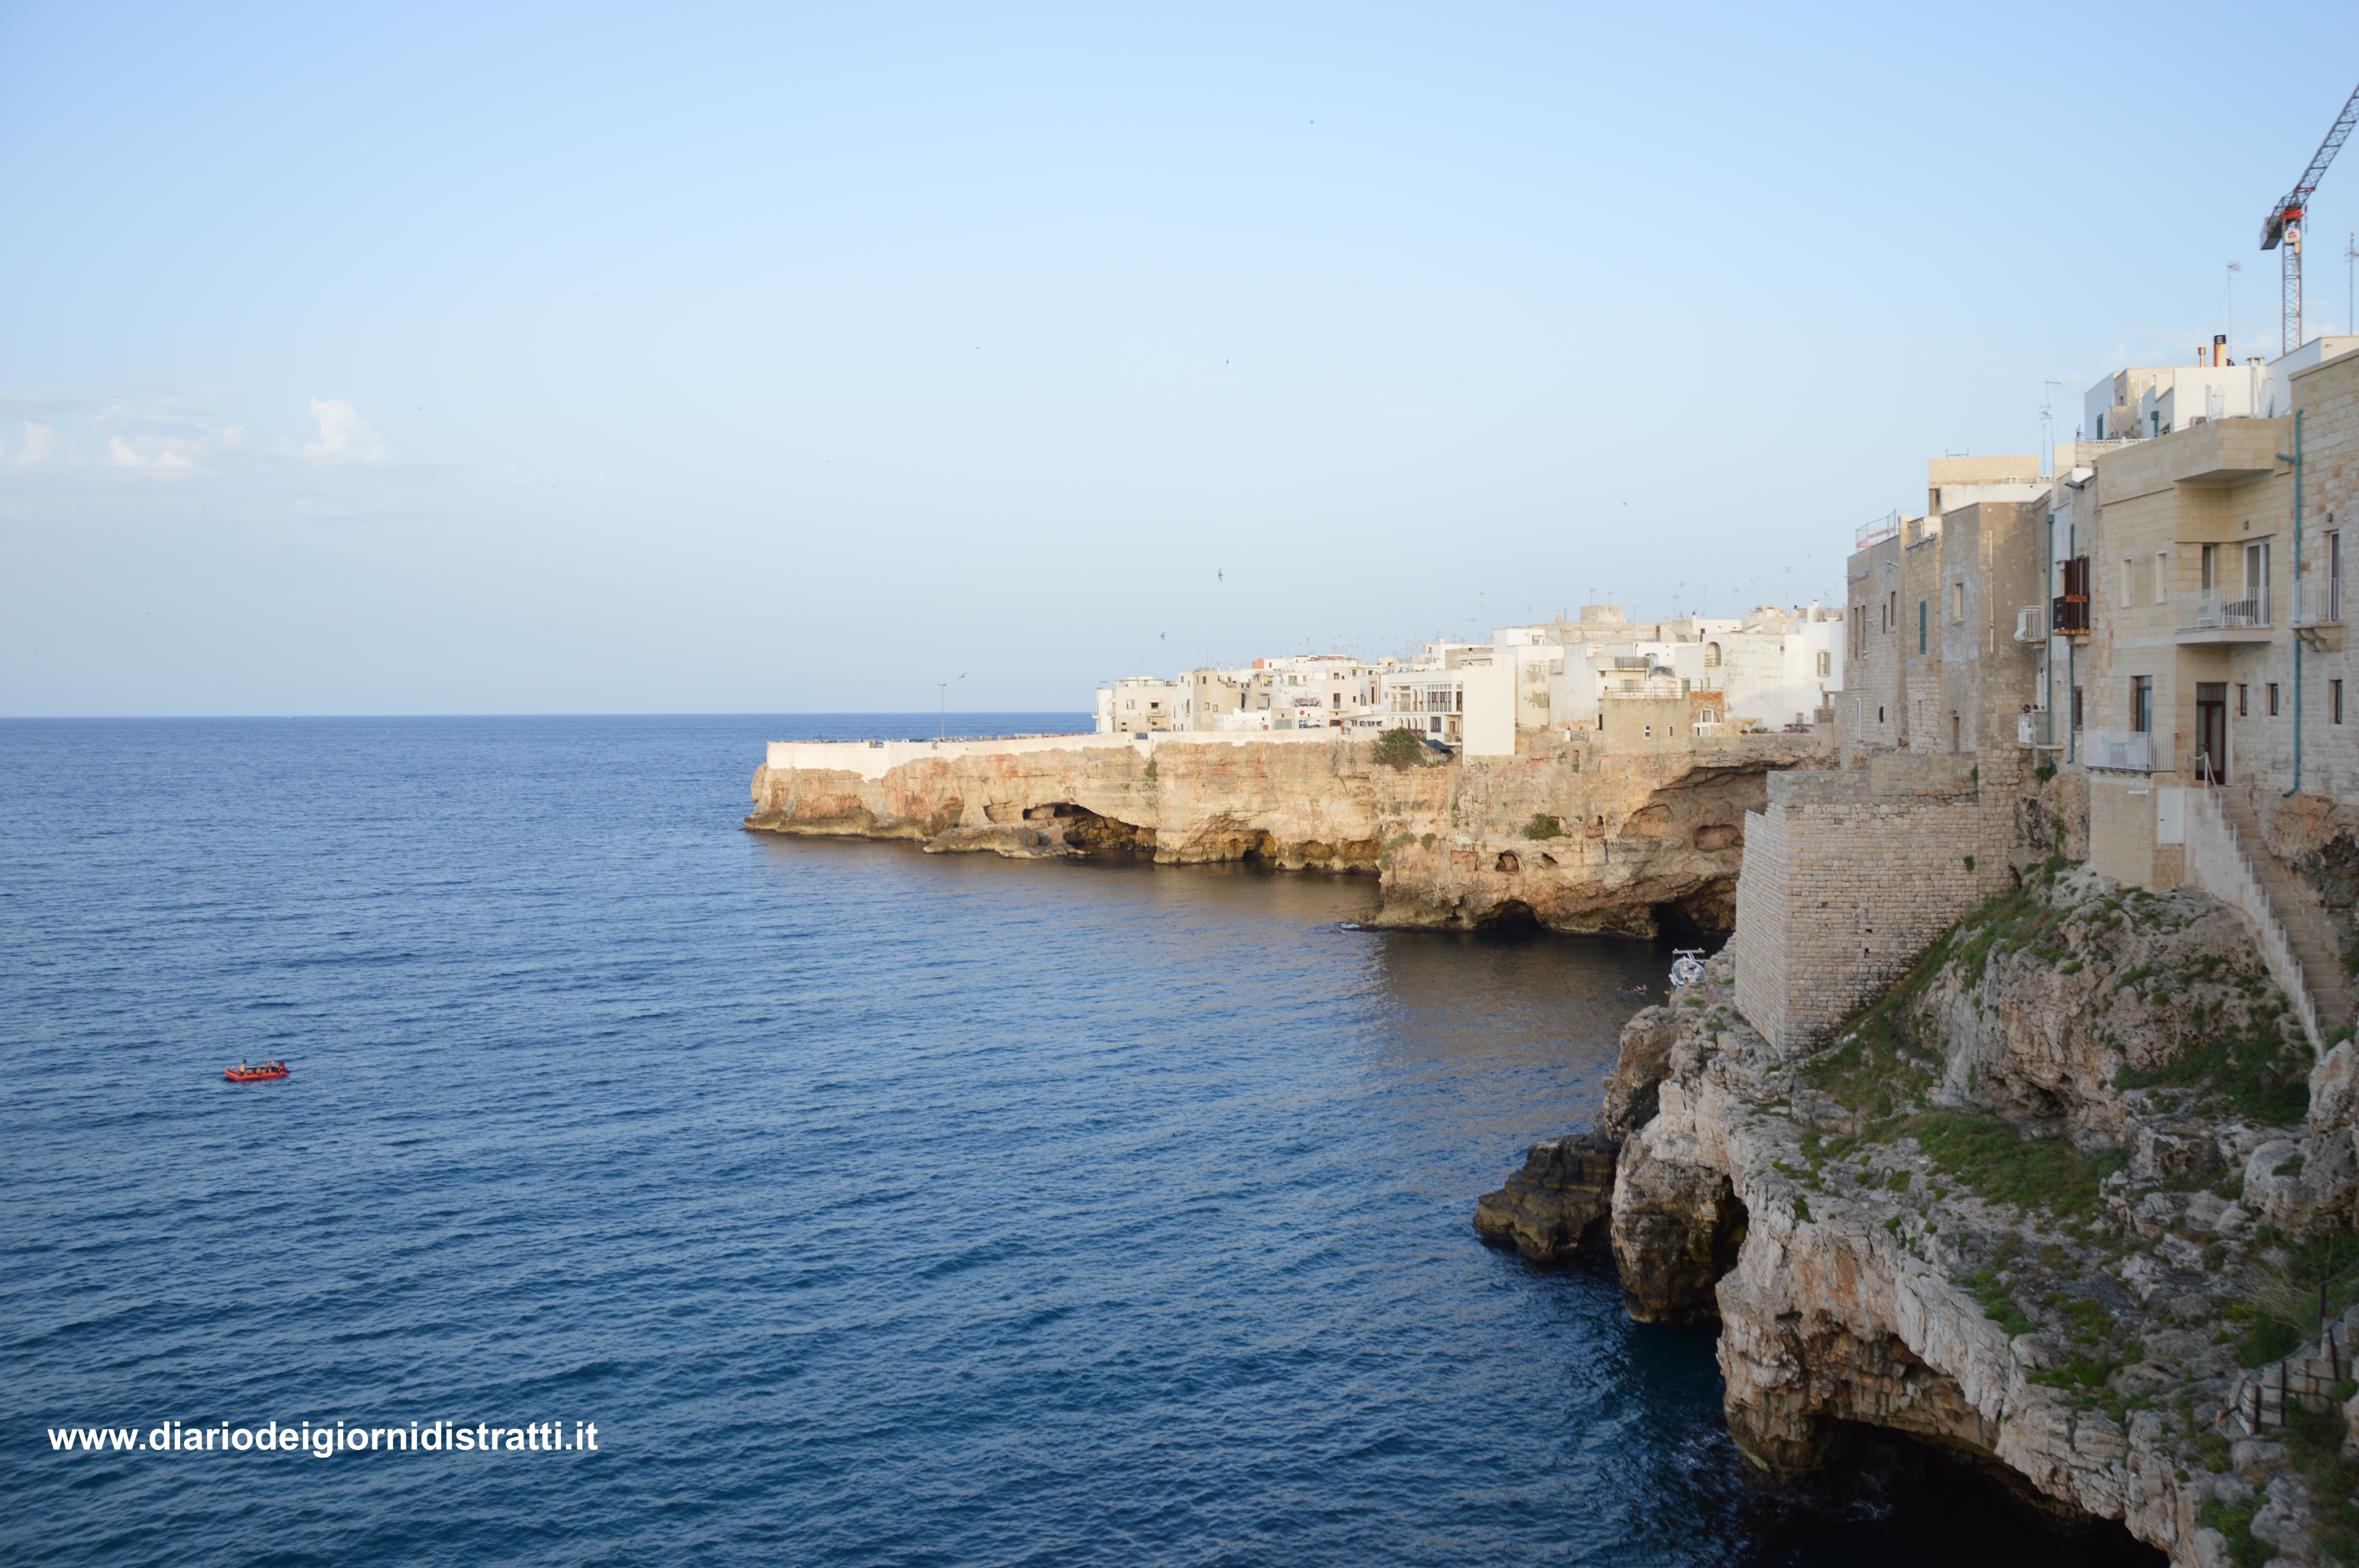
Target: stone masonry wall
[{"x": 1848, "y": 876}]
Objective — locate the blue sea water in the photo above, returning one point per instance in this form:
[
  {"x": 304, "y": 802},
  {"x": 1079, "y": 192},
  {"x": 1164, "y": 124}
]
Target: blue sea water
[{"x": 880, "y": 1208}]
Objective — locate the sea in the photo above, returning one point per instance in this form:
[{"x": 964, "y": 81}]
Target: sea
[{"x": 876, "y": 1207}]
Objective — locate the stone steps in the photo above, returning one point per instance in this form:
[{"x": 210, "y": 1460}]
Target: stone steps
[{"x": 2315, "y": 944}]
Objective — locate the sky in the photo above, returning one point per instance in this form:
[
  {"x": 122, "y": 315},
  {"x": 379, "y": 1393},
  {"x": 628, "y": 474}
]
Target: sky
[{"x": 802, "y": 358}]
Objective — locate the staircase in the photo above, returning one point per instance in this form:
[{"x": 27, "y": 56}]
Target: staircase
[{"x": 2308, "y": 932}]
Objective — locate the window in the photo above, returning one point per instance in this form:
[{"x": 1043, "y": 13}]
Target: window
[
  {"x": 1957, "y": 601},
  {"x": 1879, "y": 716},
  {"x": 2211, "y": 569},
  {"x": 2334, "y": 578},
  {"x": 1921, "y": 625},
  {"x": 2076, "y": 707},
  {"x": 2142, "y": 703},
  {"x": 2127, "y": 592},
  {"x": 1891, "y": 611},
  {"x": 1711, "y": 655},
  {"x": 1826, "y": 663},
  {"x": 2335, "y": 701},
  {"x": 2273, "y": 699},
  {"x": 2244, "y": 709},
  {"x": 2162, "y": 577}
]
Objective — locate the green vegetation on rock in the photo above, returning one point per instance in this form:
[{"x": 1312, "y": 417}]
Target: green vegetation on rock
[
  {"x": 1399, "y": 749},
  {"x": 1543, "y": 826},
  {"x": 2266, "y": 1080},
  {"x": 1989, "y": 1156},
  {"x": 2235, "y": 1520}
]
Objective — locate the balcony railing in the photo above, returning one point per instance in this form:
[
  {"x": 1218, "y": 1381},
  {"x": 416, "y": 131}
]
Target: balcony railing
[
  {"x": 2035, "y": 728},
  {"x": 2126, "y": 750},
  {"x": 2069, "y": 616},
  {"x": 2031, "y": 623},
  {"x": 2317, "y": 602},
  {"x": 1875, "y": 533},
  {"x": 2213, "y": 610}
]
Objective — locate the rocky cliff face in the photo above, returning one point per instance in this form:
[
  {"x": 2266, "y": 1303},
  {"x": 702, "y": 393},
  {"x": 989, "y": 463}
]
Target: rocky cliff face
[
  {"x": 2061, "y": 1205},
  {"x": 1573, "y": 840},
  {"x": 1558, "y": 1204}
]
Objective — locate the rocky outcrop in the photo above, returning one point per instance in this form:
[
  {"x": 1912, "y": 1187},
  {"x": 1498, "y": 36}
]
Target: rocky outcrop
[
  {"x": 1558, "y": 1204},
  {"x": 1608, "y": 845},
  {"x": 2059, "y": 1205},
  {"x": 1567, "y": 837}
]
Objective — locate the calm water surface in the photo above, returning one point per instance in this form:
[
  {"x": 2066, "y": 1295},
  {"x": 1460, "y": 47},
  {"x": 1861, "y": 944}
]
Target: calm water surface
[{"x": 879, "y": 1207}]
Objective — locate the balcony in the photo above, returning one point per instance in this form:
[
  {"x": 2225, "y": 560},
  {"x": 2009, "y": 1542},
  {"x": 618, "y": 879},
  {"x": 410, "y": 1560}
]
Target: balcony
[
  {"x": 2037, "y": 729},
  {"x": 2316, "y": 614},
  {"x": 2206, "y": 615},
  {"x": 2317, "y": 602},
  {"x": 2031, "y": 623},
  {"x": 2125, "y": 751}
]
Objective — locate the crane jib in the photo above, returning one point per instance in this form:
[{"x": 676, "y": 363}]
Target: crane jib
[{"x": 2290, "y": 210}]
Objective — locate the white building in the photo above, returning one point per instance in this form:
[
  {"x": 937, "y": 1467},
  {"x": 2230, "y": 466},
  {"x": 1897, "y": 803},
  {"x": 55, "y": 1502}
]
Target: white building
[
  {"x": 2146, "y": 401},
  {"x": 1774, "y": 669}
]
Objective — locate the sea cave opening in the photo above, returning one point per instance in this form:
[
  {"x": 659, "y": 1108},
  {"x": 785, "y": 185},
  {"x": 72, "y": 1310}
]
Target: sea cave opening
[
  {"x": 1956, "y": 1486},
  {"x": 1508, "y": 915}
]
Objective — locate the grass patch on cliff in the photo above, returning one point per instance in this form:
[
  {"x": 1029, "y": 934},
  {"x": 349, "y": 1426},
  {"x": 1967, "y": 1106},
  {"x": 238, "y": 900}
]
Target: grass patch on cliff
[
  {"x": 1985, "y": 1155},
  {"x": 1997, "y": 1301},
  {"x": 2280, "y": 1301},
  {"x": 2235, "y": 1520},
  {"x": 2266, "y": 1080},
  {"x": 2315, "y": 1441},
  {"x": 1875, "y": 1066},
  {"x": 1543, "y": 826}
]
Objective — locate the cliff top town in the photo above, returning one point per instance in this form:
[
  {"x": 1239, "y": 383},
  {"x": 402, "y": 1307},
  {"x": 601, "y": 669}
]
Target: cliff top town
[{"x": 2016, "y": 1114}]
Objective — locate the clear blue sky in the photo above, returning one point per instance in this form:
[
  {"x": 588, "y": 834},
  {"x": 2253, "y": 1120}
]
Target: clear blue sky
[{"x": 674, "y": 359}]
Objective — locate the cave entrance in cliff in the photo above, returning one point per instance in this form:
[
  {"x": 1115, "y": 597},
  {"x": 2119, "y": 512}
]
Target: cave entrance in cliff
[
  {"x": 1703, "y": 921},
  {"x": 1974, "y": 1500},
  {"x": 1508, "y": 916},
  {"x": 1085, "y": 829}
]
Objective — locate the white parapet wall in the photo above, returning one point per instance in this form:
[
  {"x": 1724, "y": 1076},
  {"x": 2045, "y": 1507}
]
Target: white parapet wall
[{"x": 874, "y": 759}]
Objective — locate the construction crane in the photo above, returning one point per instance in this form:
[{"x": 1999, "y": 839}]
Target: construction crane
[{"x": 2283, "y": 221}]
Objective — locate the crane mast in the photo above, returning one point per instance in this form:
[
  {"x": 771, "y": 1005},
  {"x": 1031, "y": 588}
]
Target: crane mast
[{"x": 2284, "y": 223}]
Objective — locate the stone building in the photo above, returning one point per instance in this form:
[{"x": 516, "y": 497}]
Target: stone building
[
  {"x": 2215, "y": 653},
  {"x": 1937, "y": 659}
]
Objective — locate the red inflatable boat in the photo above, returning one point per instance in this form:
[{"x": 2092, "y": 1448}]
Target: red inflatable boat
[{"x": 256, "y": 1075}]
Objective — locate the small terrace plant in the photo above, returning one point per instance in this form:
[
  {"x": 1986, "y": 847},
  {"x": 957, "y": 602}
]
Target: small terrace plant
[{"x": 1400, "y": 749}]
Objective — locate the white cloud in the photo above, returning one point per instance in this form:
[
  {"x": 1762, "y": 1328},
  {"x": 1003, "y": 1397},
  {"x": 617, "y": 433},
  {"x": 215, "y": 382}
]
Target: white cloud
[
  {"x": 40, "y": 443},
  {"x": 153, "y": 452},
  {"x": 344, "y": 436}
]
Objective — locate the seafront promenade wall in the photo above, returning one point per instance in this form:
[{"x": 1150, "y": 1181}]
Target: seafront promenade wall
[
  {"x": 874, "y": 759},
  {"x": 1568, "y": 834}
]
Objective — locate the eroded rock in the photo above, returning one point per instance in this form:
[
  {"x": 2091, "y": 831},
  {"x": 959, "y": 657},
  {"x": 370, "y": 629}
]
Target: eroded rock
[
  {"x": 1558, "y": 1204},
  {"x": 2030, "y": 1210}
]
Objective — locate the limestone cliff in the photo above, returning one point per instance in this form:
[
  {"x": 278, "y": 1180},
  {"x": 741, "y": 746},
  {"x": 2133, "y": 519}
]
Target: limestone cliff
[
  {"x": 1568, "y": 835},
  {"x": 2062, "y": 1204}
]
